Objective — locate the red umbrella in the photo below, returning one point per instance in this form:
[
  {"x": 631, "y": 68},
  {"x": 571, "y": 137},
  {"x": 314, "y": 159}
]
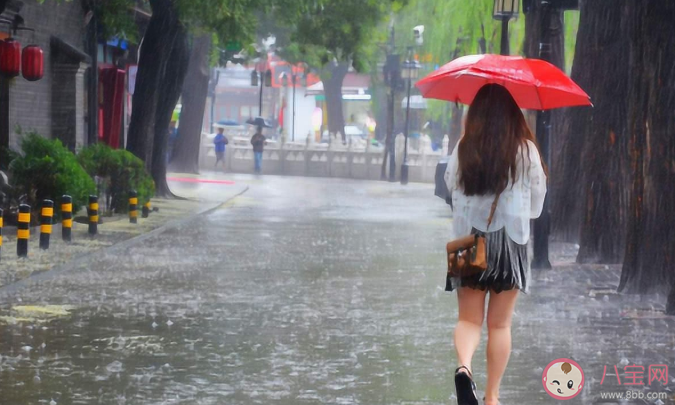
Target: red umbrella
[{"x": 534, "y": 84}]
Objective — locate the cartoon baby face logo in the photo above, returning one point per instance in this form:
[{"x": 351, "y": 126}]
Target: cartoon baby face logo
[{"x": 563, "y": 379}]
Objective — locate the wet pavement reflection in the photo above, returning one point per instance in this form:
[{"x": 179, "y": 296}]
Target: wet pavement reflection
[{"x": 300, "y": 291}]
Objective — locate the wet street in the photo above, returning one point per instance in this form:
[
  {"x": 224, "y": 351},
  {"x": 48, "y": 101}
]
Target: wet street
[{"x": 303, "y": 291}]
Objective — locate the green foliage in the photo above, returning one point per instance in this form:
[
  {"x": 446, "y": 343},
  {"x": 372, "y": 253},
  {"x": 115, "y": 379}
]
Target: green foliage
[
  {"x": 571, "y": 29},
  {"x": 120, "y": 172},
  {"x": 319, "y": 32},
  {"x": 229, "y": 20},
  {"x": 6, "y": 157},
  {"x": 453, "y": 28},
  {"x": 48, "y": 170},
  {"x": 115, "y": 16}
]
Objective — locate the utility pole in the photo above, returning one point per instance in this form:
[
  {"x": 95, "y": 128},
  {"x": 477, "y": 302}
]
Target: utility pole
[
  {"x": 404, "y": 165},
  {"x": 391, "y": 78},
  {"x": 213, "y": 88},
  {"x": 92, "y": 91},
  {"x": 391, "y": 140}
]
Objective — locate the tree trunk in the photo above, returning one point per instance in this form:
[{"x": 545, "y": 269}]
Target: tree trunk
[
  {"x": 155, "y": 50},
  {"x": 332, "y": 79},
  {"x": 649, "y": 264},
  {"x": 173, "y": 77},
  {"x": 195, "y": 91},
  {"x": 591, "y": 174},
  {"x": 605, "y": 159}
]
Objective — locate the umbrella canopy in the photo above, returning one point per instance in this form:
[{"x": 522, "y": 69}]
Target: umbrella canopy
[
  {"x": 534, "y": 84},
  {"x": 259, "y": 122}
]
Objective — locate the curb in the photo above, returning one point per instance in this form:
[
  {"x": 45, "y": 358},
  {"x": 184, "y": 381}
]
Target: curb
[{"x": 6, "y": 291}]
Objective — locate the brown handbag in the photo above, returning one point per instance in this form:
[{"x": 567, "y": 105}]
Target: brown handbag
[{"x": 468, "y": 255}]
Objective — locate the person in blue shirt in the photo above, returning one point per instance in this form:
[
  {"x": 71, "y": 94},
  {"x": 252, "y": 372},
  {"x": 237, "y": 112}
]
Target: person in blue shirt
[
  {"x": 173, "y": 136},
  {"x": 220, "y": 141}
]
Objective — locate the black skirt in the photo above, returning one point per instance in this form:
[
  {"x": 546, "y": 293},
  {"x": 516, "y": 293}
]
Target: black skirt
[{"x": 508, "y": 266}]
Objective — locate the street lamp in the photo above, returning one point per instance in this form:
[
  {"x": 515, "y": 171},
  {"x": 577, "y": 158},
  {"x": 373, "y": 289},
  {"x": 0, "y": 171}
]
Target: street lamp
[
  {"x": 542, "y": 225},
  {"x": 294, "y": 80},
  {"x": 505, "y": 10},
  {"x": 409, "y": 72},
  {"x": 265, "y": 79}
]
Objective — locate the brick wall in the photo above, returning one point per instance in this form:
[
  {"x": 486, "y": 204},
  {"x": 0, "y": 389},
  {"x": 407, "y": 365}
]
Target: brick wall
[{"x": 30, "y": 102}]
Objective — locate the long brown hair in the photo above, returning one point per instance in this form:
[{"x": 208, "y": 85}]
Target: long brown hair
[{"x": 495, "y": 128}]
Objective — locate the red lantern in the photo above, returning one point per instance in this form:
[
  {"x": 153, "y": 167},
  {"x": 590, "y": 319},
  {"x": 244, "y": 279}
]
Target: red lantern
[
  {"x": 10, "y": 58},
  {"x": 32, "y": 63}
]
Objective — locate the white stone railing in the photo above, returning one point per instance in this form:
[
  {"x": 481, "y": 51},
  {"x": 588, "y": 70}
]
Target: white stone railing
[{"x": 359, "y": 160}]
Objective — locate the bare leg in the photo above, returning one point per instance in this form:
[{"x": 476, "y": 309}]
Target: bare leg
[
  {"x": 467, "y": 332},
  {"x": 500, "y": 311}
]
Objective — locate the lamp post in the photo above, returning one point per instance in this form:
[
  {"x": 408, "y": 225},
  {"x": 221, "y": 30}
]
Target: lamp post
[
  {"x": 505, "y": 10},
  {"x": 265, "y": 79},
  {"x": 294, "y": 81},
  {"x": 410, "y": 72},
  {"x": 542, "y": 225}
]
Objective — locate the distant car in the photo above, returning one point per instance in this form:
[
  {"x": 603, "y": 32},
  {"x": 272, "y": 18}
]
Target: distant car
[{"x": 229, "y": 123}]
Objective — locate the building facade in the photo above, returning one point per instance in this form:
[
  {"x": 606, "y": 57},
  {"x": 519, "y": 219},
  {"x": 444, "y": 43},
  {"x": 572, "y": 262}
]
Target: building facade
[
  {"x": 55, "y": 105},
  {"x": 84, "y": 95}
]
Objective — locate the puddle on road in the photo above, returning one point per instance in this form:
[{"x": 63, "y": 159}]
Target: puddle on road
[{"x": 35, "y": 313}]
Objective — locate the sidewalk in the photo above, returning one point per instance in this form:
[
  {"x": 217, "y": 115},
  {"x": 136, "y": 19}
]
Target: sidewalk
[
  {"x": 574, "y": 312},
  {"x": 111, "y": 231}
]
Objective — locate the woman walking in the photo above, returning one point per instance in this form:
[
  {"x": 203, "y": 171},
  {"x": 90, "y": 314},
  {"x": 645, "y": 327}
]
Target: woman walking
[{"x": 497, "y": 161}]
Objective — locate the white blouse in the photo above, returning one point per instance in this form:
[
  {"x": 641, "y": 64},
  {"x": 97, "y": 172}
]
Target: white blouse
[{"x": 517, "y": 204}]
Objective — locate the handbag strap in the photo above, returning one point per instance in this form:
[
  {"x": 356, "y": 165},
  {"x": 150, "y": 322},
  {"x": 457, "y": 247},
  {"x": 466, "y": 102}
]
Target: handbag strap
[{"x": 493, "y": 209}]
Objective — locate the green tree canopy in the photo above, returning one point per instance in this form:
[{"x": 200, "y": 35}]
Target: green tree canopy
[
  {"x": 328, "y": 35},
  {"x": 454, "y": 28}
]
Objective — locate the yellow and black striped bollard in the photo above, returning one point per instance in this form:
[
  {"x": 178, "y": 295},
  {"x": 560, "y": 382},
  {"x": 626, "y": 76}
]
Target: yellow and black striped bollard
[
  {"x": 46, "y": 217},
  {"x": 1, "y": 225},
  {"x": 133, "y": 207},
  {"x": 67, "y": 216},
  {"x": 23, "y": 230},
  {"x": 93, "y": 214},
  {"x": 146, "y": 209}
]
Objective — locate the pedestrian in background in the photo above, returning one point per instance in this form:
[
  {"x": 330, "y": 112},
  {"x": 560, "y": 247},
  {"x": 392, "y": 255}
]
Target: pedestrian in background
[
  {"x": 220, "y": 141},
  {"x": 171, "y": 142},
  {"x": 258, "y": 141},
  {"x": 497, "y": 163}
]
